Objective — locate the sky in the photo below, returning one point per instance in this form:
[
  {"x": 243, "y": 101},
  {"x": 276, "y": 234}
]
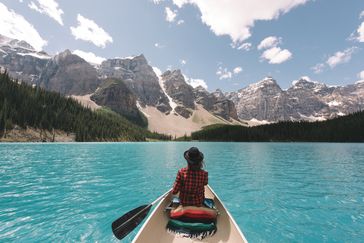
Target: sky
[{"x": 226, "y": 44}]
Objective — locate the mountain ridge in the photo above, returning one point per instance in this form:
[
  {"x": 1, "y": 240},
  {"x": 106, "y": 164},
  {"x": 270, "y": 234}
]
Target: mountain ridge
[{"x": 169, "y": 92}]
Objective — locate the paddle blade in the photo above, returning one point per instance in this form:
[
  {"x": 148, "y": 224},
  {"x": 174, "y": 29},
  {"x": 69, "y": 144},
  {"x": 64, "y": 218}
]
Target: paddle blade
[{"x": 129, "y": 221}]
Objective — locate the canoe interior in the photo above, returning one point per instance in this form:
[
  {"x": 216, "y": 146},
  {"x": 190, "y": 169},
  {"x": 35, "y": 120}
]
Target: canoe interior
[{"x": 154, "y": 229}]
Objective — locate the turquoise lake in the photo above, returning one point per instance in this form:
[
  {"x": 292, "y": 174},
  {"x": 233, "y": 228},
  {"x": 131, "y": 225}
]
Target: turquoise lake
[{"x": 277, "y": 192}]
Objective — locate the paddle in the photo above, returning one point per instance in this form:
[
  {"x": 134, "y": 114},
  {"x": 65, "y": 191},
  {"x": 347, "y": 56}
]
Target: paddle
[{"x": 129, "y": 221}]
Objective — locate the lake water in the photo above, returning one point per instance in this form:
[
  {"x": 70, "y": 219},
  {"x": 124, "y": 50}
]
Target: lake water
[{"x": 277, "y": 192}]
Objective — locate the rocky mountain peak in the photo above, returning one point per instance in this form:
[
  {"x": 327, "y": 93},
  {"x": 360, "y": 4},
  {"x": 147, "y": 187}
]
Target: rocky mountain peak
[
  {"x": 21, "y": 60},
  {"x": 200, "y": 89},
  {"x": 63, "y": 55},
  {"x": 307, "y": 83},
  {"x": 22, "y": 44},
  {"x": 15, "y": 43},
  {"x": 69, "y": 74},
  {"x": 140, "y": 60},
  {"x": 182, "y": 93},
  {"x": 174, "y": 76},
  {"x": 268, "y": 81},
  {"x": 139, "y": 77},
  {"x": 218, "y": 94},
  {"x": 267, "y": 85},
  {"x": 360, "y": 82}
]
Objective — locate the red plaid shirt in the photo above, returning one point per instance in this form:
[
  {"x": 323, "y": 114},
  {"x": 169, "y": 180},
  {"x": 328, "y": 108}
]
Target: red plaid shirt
[{"x": 190, "y": 185}]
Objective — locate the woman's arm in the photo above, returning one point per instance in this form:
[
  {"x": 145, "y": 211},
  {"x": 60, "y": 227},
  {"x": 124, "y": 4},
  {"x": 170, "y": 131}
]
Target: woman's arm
[
  {"x": 206, "y": 178},
  {"x": 177, "y": 184}
]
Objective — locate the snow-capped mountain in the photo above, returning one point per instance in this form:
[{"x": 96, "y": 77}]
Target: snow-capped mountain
[
  {"x": 139, "y": 77},
  {"x": 21, "y": 60},
  {"x": 130, "y": 86},
  {"x": 263, "y": 100},
  {"x": 180, "y": 92},
  {"x": 69, "y": 74},
  {"x": 304, "y": 100}
]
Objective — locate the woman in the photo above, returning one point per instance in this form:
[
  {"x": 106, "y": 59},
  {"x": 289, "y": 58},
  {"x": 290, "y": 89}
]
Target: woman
[{"x": 191, "y": 180}]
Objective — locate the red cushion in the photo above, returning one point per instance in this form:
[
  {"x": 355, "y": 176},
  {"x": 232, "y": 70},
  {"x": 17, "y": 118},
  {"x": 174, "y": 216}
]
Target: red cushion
[{"x": 193, "y": 212}]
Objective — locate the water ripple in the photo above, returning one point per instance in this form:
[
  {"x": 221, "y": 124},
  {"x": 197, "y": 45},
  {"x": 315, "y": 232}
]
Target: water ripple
[{"x": 277, "y": 192}]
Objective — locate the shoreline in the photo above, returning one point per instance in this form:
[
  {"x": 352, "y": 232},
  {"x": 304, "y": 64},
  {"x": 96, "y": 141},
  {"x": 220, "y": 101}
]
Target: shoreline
[{"x": 29, "y": 134}]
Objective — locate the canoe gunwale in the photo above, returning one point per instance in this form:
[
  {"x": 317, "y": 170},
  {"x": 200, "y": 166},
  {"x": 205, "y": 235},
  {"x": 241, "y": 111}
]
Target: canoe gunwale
[
  {"x": 228, "y": 213},
  {"x": 148, "y": 219}
]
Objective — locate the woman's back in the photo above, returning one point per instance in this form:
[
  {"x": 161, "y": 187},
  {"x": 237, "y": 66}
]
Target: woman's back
[
  {"x": 190, "y": 181},
  {"x": 191, "y": 188}
]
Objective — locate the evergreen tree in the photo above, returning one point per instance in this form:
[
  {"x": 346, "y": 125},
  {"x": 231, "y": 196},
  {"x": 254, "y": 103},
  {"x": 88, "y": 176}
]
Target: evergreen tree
[{"x": 25, "y": 106}]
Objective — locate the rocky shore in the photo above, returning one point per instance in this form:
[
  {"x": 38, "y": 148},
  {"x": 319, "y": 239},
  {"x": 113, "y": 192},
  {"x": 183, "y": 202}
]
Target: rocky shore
[{"x": 18, "y": 134}]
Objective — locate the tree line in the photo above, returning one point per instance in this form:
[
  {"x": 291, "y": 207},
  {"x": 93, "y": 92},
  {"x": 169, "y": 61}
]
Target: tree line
[
  {"x": 348, "y": 128},
  {"x": 27, "y": 106}
]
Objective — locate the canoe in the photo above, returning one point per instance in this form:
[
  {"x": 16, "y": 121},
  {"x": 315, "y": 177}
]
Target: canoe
[{"x": 154, "y": 228}]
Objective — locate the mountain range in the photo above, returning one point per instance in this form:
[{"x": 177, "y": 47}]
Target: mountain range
[{"x": 165, "y": 102}]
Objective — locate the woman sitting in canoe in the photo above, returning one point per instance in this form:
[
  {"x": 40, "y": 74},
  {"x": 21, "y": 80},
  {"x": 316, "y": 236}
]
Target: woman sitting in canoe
[{"x": 191, "y": 180}]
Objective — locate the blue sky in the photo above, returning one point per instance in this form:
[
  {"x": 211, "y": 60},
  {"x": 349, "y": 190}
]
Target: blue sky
[{"x": 224, "y": 44}]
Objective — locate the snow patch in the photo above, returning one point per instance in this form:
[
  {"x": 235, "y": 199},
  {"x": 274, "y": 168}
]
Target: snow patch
[
  {"x": 312, "y": 118},
  {"x": 158, "y": 72},
  {"x": 334, "y": 103},
  {"x": 341, "y": 114},
  {"x": 37, "y": 55},
  {"x": 128, "y": 57},
  {"x": 260, "y": 122},
  {"x": 141, "y": 109}
]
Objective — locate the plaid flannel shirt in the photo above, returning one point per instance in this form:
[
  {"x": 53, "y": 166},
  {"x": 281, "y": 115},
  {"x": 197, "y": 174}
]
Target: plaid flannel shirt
[{"x": 190, "y": 185}]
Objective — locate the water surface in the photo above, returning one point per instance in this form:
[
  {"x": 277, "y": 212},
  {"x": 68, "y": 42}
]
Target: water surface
[{"x": 277, "y": 192}]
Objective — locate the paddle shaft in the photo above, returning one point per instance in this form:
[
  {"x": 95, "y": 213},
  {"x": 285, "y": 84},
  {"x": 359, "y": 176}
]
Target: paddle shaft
[
  {"x": 163, "y": 196},
  {"x": 139, "y": 211},
  {"x": 146, "y": 208}
]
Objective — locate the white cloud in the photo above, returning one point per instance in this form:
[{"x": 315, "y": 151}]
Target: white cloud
[
  {"x": 361, "y": 75},
  {"x": 341, "y": 57},
  {"x": 88, "y": 30},
  {"x": 157, "y": 1},
  {"x": 236, "y": 17},
  {"x": 158, "y": 45},
  {"x": 237, "y": 70},
  {"x": 170, "y": 14},
  {"x": 89, "y": 56},
  {"x": 48, "y": 7},
  {"x": 361, "y": 14},
  {"x": 196, "y": 82},
  {"x": 318, "y": 68},
  {"x": 183, "y": 62},
  {"x": 360, "y": 33},
  {"x": 271, "y": 41},
  {"x": 336, "y": 59},
  {"x": 16, "y": 26},
  {"x": 181, "y": 21},
  {"x": 276, "y": 55},
  {"x": 243, "y": 46},
  {"x": 223, "y": 73}
]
